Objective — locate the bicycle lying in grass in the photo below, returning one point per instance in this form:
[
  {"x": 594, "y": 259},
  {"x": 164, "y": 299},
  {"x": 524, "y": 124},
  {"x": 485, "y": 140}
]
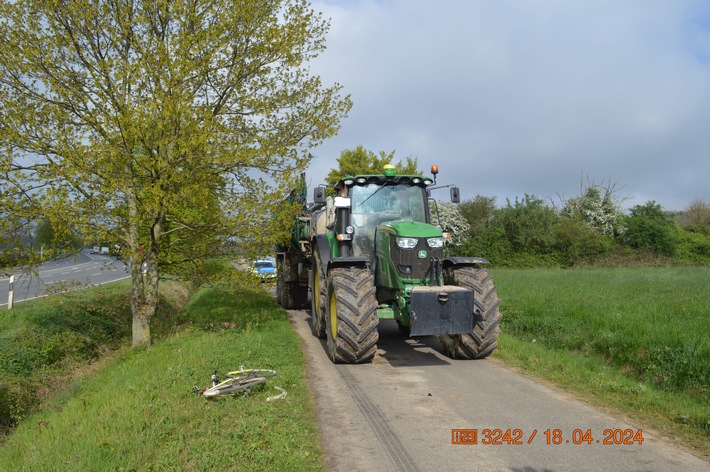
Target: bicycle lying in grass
[{"x": 239, "y": 382}]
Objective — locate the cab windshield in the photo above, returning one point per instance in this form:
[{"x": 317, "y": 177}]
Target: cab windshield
[{"x": 373, "y": 205}]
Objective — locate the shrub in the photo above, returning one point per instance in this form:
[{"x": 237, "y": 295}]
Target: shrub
[
  {"x": 577, "y": 242},
  {"x": 489, "y": 243},
  {"x": 648, "y": 228},
  {"x": 598, "y": 208},
  {"x": 529, "y": 225}
]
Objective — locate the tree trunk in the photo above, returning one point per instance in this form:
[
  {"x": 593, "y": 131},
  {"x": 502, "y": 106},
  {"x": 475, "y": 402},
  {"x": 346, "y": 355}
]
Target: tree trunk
[
  {"x": 144, "y": 283},
  {"x": 141, "y": 309},
  {"x": 141, "y": 326},
  {"x": 144, "y": 299}
]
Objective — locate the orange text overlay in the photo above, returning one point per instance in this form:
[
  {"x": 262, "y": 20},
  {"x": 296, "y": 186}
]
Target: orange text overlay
[{"x": 548, "y": 436}]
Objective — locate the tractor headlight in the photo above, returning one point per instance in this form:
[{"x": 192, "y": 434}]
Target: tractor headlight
[
  {"x": 435, "y": 243},
  {"x": 407, "y": 243}
]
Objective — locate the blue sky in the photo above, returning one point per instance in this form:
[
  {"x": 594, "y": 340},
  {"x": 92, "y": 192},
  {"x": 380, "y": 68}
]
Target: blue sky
[{"x": 511, "y": 97}]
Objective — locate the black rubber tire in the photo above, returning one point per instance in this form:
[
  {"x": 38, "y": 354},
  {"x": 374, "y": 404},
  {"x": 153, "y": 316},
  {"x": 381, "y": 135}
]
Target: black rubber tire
[
  {"x": 279, "y": 282},
  {"x": 294, "y": 297},
  {"x": 403, "y": 329},
  {"x": 483, "y": 339},
  {"x": 319, "y": 295},
  {"x": 302, "y": 301},
  {"x": 351, "y": 315},
  {"x": 287, "y": 300},
  {"x": 290, "y": 295}
]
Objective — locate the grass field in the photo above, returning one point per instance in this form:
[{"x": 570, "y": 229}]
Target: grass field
[{"x": 634, "y": 339}]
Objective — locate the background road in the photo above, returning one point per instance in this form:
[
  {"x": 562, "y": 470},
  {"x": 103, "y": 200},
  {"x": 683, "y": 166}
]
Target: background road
[
  {"x": 86, "y": 268},
  {"x": 397, "y": 414}
]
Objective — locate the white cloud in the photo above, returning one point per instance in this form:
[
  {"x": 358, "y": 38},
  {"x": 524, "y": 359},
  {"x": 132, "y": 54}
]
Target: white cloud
[{"x": 515, "y": 97}]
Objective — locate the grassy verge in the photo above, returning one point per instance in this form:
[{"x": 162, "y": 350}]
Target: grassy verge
[
  {"x": 636, "y": 340},
  {"x": 52, "y": 338},
  {"x": 59, "y": 338},
  {"x": 139, "y": 411}
]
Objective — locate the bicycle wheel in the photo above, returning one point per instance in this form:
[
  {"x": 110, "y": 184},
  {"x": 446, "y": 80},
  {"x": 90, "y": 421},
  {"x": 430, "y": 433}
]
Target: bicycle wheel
[
  {"x": 250, "y": 373},
  {"x": 232, "y": 386}
]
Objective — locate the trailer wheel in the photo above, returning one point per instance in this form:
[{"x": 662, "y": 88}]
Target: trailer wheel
[
  {"x": 483, "y": 339},
  {"x": 294, "y": 296},
  {"x": 287, "y": 300},
  {"x": 319, "y": 295},
  {"x": 351, "y": 317},
  {"x": 279, "y": 281}
]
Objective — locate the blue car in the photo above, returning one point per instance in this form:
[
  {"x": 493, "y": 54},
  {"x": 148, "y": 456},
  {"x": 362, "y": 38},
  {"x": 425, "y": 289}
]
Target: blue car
[{"x": 264, "y": 269}]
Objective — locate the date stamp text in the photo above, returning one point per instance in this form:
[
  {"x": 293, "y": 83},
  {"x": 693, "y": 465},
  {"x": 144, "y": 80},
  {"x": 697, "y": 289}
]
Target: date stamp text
[{"x": 550, "y": 436}]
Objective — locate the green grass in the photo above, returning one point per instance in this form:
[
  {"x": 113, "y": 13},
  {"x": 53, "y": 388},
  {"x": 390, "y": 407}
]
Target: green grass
[
  {"x": 51, "y": 337},
  {"x": 636, "y": 339},
  {"x": 139, "y": 412}
]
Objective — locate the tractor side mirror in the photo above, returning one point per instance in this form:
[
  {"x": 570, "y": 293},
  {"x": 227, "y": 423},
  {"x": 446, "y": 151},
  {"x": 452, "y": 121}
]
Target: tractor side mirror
[
  {"x": 455, "y": 195},
  {"x": 319, "y": 194}
]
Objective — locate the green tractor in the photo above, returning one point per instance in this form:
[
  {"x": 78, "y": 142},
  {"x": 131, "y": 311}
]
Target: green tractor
[{"x": 373, "y": 253}]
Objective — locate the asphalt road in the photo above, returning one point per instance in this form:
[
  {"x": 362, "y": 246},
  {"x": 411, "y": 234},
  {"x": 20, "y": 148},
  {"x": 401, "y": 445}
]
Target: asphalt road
[
  {"x": 63, "y": 274},
  {"x": 398, "y": 413}
]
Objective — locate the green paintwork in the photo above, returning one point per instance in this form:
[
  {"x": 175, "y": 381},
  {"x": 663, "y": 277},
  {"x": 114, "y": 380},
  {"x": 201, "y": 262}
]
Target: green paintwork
[
  {"x": 391, "y": 288},
  {"x": 385, "y": 313},
  {"x": 414, "y": 229},
  {"x": 333, "y": 243}
]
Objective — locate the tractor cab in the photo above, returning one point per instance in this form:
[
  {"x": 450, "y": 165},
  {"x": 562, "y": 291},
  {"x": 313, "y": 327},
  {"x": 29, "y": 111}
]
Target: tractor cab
[{"x": 364, "y": 202}]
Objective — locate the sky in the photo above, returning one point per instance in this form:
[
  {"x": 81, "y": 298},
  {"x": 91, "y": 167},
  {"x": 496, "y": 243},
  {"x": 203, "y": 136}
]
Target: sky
[{"x": 516, "y": 97}]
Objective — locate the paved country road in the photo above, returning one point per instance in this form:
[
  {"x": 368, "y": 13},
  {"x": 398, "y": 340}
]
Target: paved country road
[
  {"x": 85, "y": 268},
  {"x": 397, "y": 414}
]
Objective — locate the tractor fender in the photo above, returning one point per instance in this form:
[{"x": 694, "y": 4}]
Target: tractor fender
[
  {"x": 463, "y": 262},
  {"x": 320, "y": 245},
  {"x": 350, "y": 261}
]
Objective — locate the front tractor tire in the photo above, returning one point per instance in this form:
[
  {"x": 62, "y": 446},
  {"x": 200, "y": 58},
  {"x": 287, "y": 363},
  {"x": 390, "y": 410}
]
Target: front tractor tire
[
  {"x": 483, "y": 338},
  {"x": 351, "y": 317}
]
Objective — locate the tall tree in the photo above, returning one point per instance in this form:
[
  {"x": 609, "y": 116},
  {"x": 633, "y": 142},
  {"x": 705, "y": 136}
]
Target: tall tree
[
  {"x": 696, "y": 217},
  {"x": 165, "y": 126},
  {"x": 363, "y": 161}
]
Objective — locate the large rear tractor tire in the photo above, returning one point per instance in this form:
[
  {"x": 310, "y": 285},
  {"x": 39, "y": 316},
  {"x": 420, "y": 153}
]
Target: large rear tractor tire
[
  {"x": 351, "y": 317},
  {"x": 483, "y": 339},
  {"x": 319, "y": 297}
]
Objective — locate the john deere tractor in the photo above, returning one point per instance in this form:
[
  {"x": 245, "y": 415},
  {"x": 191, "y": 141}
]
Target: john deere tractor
[{"x": 373, "y": 252}]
